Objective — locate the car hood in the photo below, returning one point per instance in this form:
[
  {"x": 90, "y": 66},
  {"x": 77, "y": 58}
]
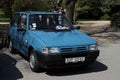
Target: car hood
[{"x": 64, "y": 38}]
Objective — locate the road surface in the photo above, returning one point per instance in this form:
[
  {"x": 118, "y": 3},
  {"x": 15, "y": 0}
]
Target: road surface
[{"x": 107, "y": 67}]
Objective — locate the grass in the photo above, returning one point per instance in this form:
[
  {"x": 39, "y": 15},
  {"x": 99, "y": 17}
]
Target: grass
[
  {"x": 4, "y": 19},
  {"x": 2, "y": 16}
]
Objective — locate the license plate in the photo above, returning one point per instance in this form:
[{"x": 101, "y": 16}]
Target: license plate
[{"x": 74, "y": 60}]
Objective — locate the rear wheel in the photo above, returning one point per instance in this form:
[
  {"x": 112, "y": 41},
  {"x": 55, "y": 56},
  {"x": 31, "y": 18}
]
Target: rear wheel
[{"x": 33, "y": 62}]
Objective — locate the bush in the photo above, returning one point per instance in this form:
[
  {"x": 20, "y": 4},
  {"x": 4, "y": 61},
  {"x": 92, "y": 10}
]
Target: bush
[
  {"x": 31, "y": 5},
  {"x": 115, "y": 20},
  {"x": 105, "y": 17}
]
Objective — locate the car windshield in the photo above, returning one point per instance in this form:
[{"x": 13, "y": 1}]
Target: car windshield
[{"x": 57, "y": 22}]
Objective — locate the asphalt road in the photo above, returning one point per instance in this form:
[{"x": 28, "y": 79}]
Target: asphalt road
[{"x": 107, "y": 67}]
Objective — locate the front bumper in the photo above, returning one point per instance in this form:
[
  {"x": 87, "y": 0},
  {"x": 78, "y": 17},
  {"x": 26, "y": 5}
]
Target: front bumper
[{"x": 58, "y": 60}]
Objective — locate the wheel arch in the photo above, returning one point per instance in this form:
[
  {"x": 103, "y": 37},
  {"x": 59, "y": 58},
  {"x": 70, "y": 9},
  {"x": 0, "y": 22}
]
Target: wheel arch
[{"x": 29, "y": 49}]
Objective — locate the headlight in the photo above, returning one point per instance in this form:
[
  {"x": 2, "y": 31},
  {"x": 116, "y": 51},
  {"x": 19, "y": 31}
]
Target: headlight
[
  {"x": 45, "y": 50},
  {"x": 50, "y": 50},
  {"x": 93, "y": 47}
]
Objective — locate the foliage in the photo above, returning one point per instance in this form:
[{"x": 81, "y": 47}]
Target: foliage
[
  {"x": 31, "y": 5},
  {"x": 115, "y": 12},
  {"x": 89, "y": 9},
  {"x": 84, "y": 9},
  {"x": 105, "y": 7},
  {"x": 105, "y": 17},
  {"x": 96, "y": 9},
  {"x": 115, "y": 20},
  {"x": 6, "y": 5}
]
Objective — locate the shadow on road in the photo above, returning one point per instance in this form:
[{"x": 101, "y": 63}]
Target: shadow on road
[
  {"x": 96, "y": 67},
  {"x": 8, "y": 69}
]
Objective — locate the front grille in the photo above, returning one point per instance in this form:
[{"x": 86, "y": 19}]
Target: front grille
[
  {"x": 81, "y": 48},
  {"x": 73, "y": 49},
  {"x": 66, "y": 50}
]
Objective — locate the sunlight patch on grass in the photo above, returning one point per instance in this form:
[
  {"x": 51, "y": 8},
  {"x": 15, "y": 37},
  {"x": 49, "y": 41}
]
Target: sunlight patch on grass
[{"x": 4, "y": 19}]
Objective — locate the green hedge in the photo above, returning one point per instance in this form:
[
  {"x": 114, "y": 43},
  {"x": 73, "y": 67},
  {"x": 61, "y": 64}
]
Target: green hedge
[{"x": 115, "y": 20}]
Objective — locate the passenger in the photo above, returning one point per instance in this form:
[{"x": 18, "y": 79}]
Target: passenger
[
  {"x": 47, "y": 20},
  {"x": 60, "y": 10},
  {"x": 40, "y": 22},
  {"x": 23, "y": 22}
]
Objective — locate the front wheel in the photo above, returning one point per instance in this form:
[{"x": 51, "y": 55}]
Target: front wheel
[{"x": 33, "y": 61}]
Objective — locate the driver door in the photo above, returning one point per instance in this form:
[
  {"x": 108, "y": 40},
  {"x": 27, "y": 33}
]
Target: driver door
[{"x": 21, "y": 31}]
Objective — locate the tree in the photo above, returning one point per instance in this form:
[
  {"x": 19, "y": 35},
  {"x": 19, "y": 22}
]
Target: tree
[
  {"x": 115, "y": 12},
  {"x": 37, "y": 5},
  {"x": 6, "y": 4},
  {"x": 70, "y": 5},
  {"x": 88, "y": 9},
  {"x": 106, "y": 6},
  {"x": 31, "y": 5}
]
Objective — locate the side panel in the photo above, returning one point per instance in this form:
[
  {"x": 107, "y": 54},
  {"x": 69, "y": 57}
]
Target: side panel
[
  {"x": 21, "y": 32},
  {"x": 13, "y": 30},
  {"x": 13, "y": 36}
]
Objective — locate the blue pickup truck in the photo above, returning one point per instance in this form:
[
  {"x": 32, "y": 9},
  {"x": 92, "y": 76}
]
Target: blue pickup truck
[{"x": 49, "y": 40}]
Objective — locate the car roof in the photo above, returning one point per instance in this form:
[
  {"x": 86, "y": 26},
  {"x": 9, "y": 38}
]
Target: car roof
[{"x": 31, "y": 12}]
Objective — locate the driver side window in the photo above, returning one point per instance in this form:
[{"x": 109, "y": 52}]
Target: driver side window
[
  {"x": 22, "y": 21},
  {"x": 14, "y": 20}
]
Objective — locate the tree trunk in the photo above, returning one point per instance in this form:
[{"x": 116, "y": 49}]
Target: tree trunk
[{"x": 70, "y": 5}]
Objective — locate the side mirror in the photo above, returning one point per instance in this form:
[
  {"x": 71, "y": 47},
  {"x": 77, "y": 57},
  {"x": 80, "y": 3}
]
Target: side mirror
[
  {"x": 77, "y": 27},
  {"x": 21, "y": 29}
]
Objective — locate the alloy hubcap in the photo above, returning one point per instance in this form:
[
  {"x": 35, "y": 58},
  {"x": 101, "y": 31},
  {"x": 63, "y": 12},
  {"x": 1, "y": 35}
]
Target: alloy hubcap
[{"x": 32, "y": 61}]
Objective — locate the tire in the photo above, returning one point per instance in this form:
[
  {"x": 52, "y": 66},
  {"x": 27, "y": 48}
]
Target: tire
[
  {"x": 33, "y": 62},
  {"x": 11, "y": 49}
]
